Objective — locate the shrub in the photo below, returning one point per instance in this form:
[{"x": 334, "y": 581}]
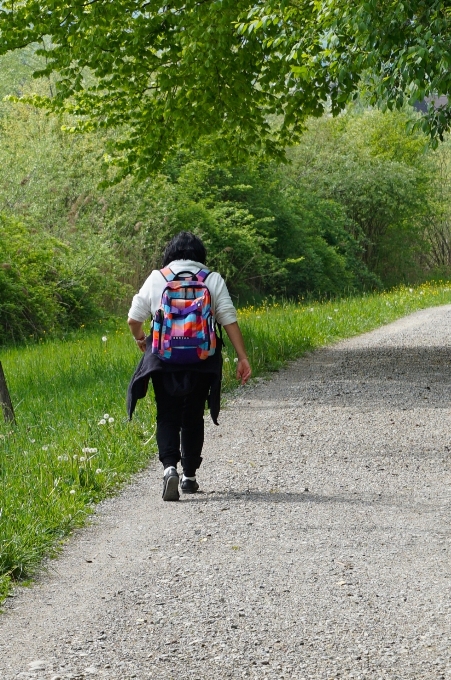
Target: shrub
[{"x": 45, "y": 285}]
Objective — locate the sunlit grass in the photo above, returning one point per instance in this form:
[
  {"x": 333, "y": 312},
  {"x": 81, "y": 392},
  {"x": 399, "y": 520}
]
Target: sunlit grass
[{"x": 61, "y": 457}]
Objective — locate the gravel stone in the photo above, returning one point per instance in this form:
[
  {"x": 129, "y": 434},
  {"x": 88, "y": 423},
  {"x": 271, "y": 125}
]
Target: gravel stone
[{"x": 319, "y": 547}]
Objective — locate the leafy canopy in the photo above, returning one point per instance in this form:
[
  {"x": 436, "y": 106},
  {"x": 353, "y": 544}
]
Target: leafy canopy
[
  {"x": 166, "y": 73},
  {"x": 244, "y": 75}
]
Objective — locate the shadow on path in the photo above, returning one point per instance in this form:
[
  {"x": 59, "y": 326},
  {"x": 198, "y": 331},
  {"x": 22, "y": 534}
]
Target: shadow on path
[
  {"x": 273, "y": 497},
  {"x": 365, "y": 378}
]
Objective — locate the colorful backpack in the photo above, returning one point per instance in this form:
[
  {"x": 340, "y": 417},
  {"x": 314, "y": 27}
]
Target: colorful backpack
[{"x": 183, "y": 328}]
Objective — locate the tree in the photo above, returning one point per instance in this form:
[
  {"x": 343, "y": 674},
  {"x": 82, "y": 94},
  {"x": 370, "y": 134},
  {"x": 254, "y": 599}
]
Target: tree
[
  {"x": 383, "y": 177},
  {"x": 178, "y": 72},
  {"x": 400, "y": 50},
  {"x": 245, "y": 75},
  {"x": 174, "y": 72},
  {"x": 164, "y": 73}
]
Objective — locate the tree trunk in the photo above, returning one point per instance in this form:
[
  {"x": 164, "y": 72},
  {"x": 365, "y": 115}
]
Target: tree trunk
[{"x": 5, "y": 399}]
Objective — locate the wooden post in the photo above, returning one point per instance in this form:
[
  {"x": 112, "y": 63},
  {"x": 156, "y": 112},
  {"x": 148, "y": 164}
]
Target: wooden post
[{"x": 5, "y": 399}]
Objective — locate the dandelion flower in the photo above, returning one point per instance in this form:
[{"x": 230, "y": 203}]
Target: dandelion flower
[
  {"x": 72, "y": 492},
  {"x": 106, "y": 416},
  {"x": 102, "y": 421},
  {"x": 75, "y": 456},
  {"x": 82, "y": 459},
  {"x": 98, "y": 471},
  {"x": 227, "y": 359},
  {"x": 104, "y": 338},
  {"x": 236, "y": 360},
  {"x": 32, "y": 441},
  {"x": 45, "y": 448},
  {"x": 111, "y": 420},
  {"x": 330, "y": 318}
]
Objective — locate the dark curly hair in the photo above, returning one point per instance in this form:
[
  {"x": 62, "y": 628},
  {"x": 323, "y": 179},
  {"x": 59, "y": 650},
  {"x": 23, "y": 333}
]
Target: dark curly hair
[{"x": 184, "y": 246}]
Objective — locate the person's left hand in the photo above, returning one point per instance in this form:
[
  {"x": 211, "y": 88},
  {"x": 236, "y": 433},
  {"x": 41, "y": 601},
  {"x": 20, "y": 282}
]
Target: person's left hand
[{"x": 243, "y": 371}]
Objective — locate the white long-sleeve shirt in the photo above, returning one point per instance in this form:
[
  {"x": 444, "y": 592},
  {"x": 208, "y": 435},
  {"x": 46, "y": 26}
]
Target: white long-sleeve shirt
[{"x": 147, "y": 301}]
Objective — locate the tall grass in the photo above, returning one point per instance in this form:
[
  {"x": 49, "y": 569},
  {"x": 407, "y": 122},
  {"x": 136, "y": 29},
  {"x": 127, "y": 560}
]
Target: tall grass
[{"x": 62, "y": 457}]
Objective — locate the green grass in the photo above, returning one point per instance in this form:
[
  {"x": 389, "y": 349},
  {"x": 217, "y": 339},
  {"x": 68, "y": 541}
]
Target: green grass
[{"x": 62, "y": 389}]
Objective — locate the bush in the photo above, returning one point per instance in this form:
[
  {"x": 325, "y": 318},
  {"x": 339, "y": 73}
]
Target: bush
[
  {"x": 328, "y": 249},
  {"x": 45, "y": 285},
  {"x": 28, "y": 305},
  {"x": 381, "y": 175}
]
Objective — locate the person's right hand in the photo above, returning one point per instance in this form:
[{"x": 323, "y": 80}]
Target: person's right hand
[
  {"x": 243, "y": 371},
  {"x": 142, "y": 344}
]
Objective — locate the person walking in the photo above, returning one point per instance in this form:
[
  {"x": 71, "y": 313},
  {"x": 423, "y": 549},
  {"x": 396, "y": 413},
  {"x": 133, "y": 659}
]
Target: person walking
[{"x": 183, "y": 356}]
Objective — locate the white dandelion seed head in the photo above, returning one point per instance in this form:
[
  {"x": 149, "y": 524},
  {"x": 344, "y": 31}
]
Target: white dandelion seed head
[
  {"x": 82, "y": 459},
  {"x": 98, "y": 471},
  {"x": 104, "y": 338},
  {"x": 32, "y": 441},
  {"x": 410, "y": 290},
  {"x": 235, "y": 360},
  {"x": 110, "y": 420},
  {"x": 45, "y": 448},
  {"x": 258, "y": 316},
  {"x": 227, "y": 359},
  {"x": 75, "y": 456},
  {"x": 335, "y": 310},
  {"x": 102, "y": 421},
  {"x": 330, "y": 318},
  {"x": 311, "y": 309},
  {"x": 72, "y": 492},
  {"x": 106, "y": 416}
]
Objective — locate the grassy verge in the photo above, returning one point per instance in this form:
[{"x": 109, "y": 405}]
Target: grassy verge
[{"x": 73, "y": 445}]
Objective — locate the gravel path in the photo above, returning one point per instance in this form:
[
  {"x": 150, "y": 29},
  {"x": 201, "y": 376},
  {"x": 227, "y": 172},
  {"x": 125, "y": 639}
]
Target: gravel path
[{"x": 319, "y": 547}]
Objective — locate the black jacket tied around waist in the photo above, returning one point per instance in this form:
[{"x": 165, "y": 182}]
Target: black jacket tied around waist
[{"x": 179, "y": 378}]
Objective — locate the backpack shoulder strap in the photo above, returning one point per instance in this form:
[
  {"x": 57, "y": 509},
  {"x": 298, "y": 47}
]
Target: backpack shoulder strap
[
  {"x": 202, "y": 274},
  {"x": 167, "y": 274}
]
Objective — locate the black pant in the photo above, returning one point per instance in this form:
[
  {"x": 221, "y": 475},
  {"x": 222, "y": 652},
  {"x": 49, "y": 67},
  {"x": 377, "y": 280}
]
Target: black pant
[{"x": 181, "y": 414}]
